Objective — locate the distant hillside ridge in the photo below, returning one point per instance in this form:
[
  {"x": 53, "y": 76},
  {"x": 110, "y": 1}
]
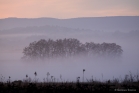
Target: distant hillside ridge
[{"x": 115, "y": 23}]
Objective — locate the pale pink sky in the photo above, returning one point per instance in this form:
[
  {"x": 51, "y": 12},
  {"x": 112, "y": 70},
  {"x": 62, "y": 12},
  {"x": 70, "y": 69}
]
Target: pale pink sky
[{"x": 68, "y": 8}]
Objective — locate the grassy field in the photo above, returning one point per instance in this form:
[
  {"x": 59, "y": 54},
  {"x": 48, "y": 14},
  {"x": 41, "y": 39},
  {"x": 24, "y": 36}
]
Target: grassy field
[{"x": 129, "y": 83}]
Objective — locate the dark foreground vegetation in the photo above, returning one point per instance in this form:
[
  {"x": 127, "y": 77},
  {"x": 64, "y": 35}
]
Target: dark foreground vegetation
[
  {"x": 129, "y": 83},
  {"x": 67, "y": 87}
]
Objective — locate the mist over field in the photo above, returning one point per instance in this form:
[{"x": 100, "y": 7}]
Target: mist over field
[{"x": 16, "y": 34}]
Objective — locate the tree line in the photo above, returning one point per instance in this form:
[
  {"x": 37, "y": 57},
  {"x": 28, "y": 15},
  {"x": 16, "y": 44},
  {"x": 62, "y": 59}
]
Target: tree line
[{"x": 71, "y": 47}]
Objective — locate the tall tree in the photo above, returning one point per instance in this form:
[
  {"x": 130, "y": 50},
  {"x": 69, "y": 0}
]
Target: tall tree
[{"x": 69, "y": 48}]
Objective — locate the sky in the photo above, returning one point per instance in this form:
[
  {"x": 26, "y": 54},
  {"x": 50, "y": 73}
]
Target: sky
[{"x": 68, "y": 8}]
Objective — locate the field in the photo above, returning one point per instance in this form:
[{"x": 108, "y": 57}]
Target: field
[
  {"x": 129, "y": 83},
  {"x": 88, "y": 53}
]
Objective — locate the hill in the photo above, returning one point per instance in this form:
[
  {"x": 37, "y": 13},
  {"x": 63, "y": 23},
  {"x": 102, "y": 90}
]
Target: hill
[{"x": 120, "y": 23}]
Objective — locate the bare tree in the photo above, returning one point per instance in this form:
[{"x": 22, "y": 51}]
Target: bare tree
[{"x": 69, "y": 48}]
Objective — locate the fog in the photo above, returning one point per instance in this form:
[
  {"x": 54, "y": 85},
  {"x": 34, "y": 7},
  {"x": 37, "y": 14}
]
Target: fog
[{"x": 13, "y": 43}]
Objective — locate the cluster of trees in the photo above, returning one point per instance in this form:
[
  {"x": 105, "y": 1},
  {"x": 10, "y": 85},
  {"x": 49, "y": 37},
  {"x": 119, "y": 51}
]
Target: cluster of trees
[{"x": 69, "y": 48}]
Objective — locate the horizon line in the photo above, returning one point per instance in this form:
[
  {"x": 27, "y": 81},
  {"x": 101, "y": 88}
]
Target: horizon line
[{"x": 63, "y": 18}]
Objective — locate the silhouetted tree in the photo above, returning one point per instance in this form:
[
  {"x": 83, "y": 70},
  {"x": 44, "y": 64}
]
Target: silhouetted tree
[{"x": 69, "y": 48}]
